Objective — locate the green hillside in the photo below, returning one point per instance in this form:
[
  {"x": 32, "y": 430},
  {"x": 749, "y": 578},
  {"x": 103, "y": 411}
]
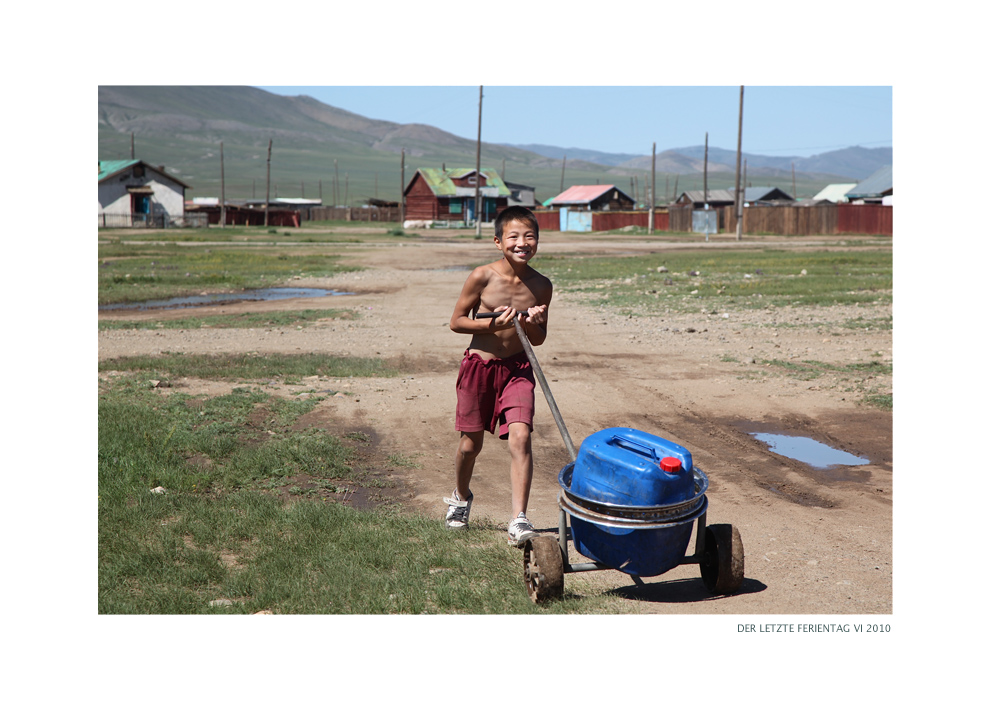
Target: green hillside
[{"x": 182, "y": 129}]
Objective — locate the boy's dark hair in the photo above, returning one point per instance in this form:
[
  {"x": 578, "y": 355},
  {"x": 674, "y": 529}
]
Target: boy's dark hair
[{"x": 519, "y": 214}]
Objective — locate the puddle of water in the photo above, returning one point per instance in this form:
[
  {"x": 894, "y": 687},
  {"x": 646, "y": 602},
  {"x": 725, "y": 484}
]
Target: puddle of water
[
  {"x": 809, "y": 451},
  {"x": 221, "y": 298}
]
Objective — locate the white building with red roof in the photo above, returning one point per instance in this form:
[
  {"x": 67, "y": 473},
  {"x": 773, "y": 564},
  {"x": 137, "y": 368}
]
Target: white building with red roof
[{"x": 592, "y": 198}]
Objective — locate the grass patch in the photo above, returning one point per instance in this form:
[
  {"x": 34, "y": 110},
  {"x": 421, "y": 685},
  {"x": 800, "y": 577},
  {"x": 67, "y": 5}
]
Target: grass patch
[
  {"x": 288, "y": 318},
  {"x": 862, "y": 374},
  {"x": 401, "y": 460},
  {"x": 880, "y": 401},
  {"x": 248, "y": 366},
  {"x": 132, "y": 273},
  {"x": 221, "y": 532},
  {"x": 810, "y": 365},
  {"x": 867, "y": 324},
  {"x": 725, "y": 280}
]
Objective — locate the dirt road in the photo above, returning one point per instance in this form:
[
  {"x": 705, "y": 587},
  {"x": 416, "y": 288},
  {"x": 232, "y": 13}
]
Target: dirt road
[{"x": 815, "y": 541}]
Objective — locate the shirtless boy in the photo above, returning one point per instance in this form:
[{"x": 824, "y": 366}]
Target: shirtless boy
[{"x": 495, "y": 382}]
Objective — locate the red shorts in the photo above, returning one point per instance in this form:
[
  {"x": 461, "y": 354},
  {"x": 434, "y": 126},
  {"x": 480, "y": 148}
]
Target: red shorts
[{"x": 494, "y": 392}]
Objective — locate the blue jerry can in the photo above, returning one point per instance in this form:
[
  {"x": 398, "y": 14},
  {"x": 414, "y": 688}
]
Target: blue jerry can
[{"x": 624, "y": 466}]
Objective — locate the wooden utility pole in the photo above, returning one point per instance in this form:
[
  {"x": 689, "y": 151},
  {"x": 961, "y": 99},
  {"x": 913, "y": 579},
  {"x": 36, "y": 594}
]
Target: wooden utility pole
[
  {"x": 562, "y": 189},
  {"x": 738, "y": 197},
  {"x": 132, "y": 145},
  {"x": 706, "y": 159},
  {"x": 478, "y": 174},
  {"x": 651, "y": 201},
  {"x": 402, "y": 184},
  {"x": 346, "y": 203},
  {"x": 675, "y": 192},
  {"x": 268, "y": 167},
  {"x": 502, "y": 174},
  {"x": 223, "y": 201},
  {"x": 743, "y": 192}
]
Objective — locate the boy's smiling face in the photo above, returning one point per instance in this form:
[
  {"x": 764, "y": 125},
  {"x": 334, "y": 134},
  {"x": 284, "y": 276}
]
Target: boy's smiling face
[{"x": 519, "y": 242}]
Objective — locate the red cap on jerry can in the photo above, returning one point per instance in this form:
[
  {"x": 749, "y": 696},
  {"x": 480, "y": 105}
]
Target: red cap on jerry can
[{"x": 671, "y": 465}]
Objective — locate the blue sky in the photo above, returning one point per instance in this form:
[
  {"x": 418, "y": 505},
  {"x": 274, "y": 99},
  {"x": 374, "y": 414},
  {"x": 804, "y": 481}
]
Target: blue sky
[{"x": 778, "y": 120}]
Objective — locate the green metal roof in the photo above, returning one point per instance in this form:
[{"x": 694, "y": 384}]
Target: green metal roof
[
  {"x": 109, "y": 168},
  {"x": 112, "y": 167},
  {"x": 441, "y": 184}
]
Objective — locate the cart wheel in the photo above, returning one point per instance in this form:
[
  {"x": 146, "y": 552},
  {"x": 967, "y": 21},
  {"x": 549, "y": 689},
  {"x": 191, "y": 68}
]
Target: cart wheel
[
  {"x": 722, "y": 566},
  {"x": 543, "y": 569}
]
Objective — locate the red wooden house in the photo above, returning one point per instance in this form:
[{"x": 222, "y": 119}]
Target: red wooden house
[{"x": 449, "y": 194}]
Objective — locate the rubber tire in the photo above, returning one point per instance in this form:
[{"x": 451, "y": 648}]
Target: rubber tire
[
  {"x": 544, "y": 570},
  {"x": 722, "y": 566}
]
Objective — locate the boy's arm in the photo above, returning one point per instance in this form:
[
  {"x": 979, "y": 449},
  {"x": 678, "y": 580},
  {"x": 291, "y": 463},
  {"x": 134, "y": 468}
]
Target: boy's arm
[{"x": 535, "y": 319}]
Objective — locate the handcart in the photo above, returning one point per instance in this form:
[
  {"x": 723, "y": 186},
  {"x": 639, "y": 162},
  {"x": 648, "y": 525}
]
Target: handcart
[{"x": 633, "y": 500}]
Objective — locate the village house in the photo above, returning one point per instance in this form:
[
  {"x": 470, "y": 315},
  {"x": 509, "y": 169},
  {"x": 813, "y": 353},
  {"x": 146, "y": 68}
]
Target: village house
[
  {"x": 132, "y": 192},
  {"x": 592, "y": 198},
  {"x": 762, "y": 196},
  {"x": 521, "y": 195},
  {"x": 876, "y": 189},
  {"x": 834, "y": 193},
  {"x": 698, "y": 198},
  {"x": 448, "y": 194}
]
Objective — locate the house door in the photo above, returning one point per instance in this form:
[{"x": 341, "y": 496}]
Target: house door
[
  {"x": 140, "y": 206},
  {"x": 469, "y": 203}
]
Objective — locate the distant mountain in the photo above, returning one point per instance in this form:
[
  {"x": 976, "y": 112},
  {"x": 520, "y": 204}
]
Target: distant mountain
[
  {"x": 593, "y": 156},
  {"x": 855, "y": 162},
  {"x": 338, "y": 155}
]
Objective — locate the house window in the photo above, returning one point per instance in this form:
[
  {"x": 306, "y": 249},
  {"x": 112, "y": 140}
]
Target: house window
[
  {"x": 471, "y": 180},
  {"x": 455, "y": 208},
  {"x": 139, "y": 170}
]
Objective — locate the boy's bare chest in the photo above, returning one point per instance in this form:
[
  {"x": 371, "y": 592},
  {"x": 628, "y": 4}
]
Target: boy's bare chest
[{"x": 503, "y": 291}]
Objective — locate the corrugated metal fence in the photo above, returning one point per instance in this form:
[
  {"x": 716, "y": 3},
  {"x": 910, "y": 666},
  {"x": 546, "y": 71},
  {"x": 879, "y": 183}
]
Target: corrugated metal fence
[{"x": 794, "y": 221}]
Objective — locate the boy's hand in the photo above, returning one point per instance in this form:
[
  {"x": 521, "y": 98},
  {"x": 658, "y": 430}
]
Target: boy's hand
[
  {"x": 504, "y": 320},
  {"x": 536, "y": 315}
]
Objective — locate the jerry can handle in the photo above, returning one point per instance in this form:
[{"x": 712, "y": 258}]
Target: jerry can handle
[{"x": 635, "y": 447}]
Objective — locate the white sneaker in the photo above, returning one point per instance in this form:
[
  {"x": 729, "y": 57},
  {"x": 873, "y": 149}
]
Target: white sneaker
[
  {"x": 457, "y": 517},
  {"x": 519, "y": 531}
]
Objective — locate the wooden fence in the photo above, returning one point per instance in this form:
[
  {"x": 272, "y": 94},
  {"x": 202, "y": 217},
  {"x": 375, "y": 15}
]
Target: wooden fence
[
  {"x": 355, "y": 214},
  {"x": 150, "y": 221},
  {"x": 797, "y": 221},
  {"x": 550, "y": 220},
  {"x": 819, "y": 219},
  {"x": 864, "y": 219},
  {"x": 608, "y": 221}
]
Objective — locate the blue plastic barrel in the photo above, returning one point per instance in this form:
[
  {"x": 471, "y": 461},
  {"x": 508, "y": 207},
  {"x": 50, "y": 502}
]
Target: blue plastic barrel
[
  {"x": 620, "y": 492},
  {"x": 622, "y": 466}
]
